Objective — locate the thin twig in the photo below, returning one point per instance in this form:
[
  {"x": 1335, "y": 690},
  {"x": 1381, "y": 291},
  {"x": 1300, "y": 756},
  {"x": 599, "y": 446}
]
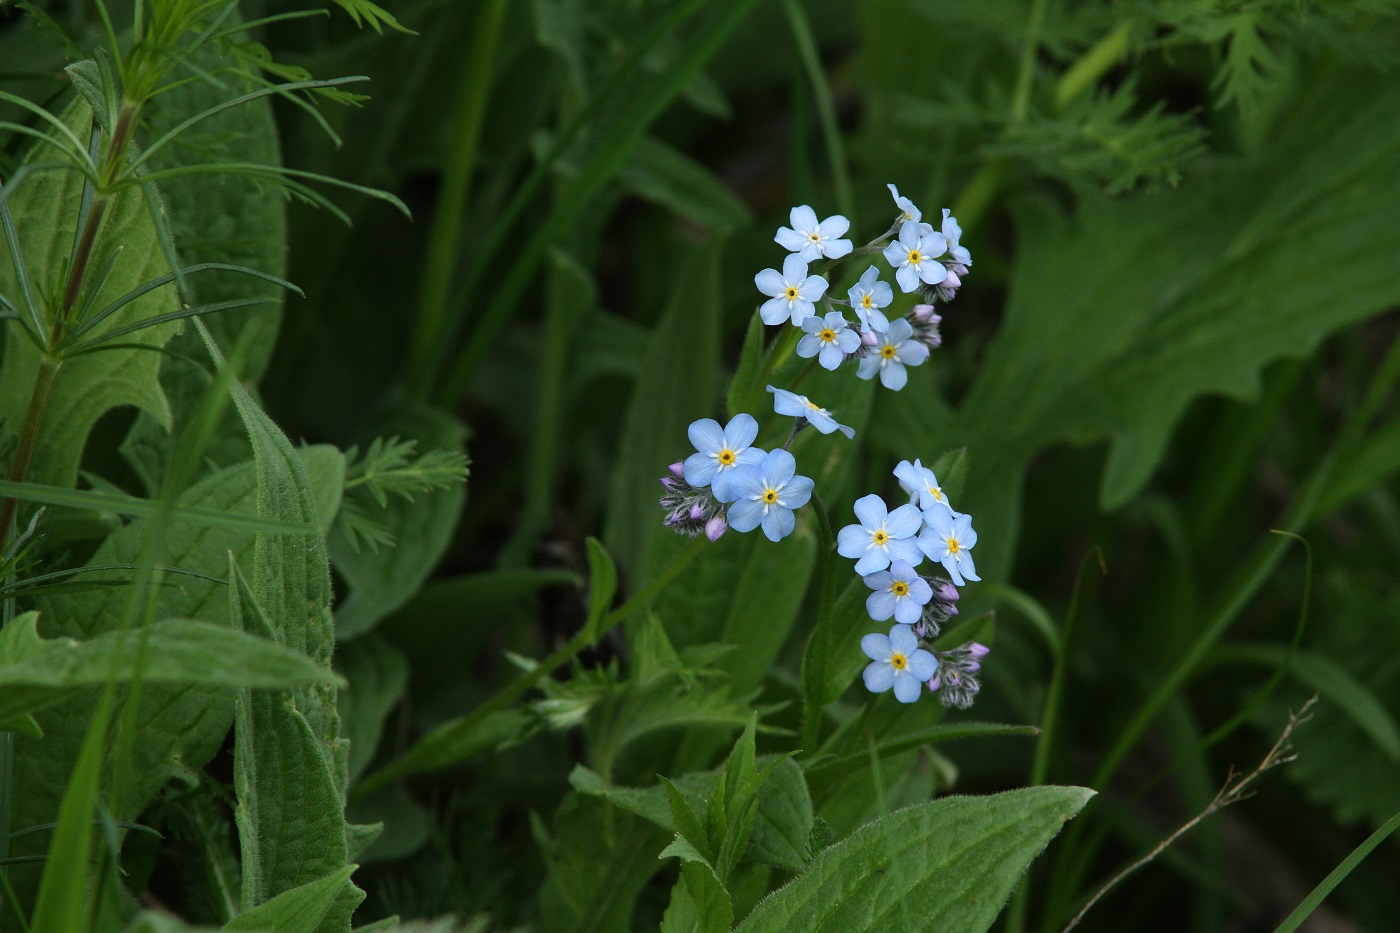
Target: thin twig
[{"x": 1233, "y": 792}]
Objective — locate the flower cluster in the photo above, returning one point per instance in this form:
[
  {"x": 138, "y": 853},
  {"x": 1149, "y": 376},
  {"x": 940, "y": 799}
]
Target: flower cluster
[
  {"x": 730, "y": 483},
  {"x": 926, "y": 261},
  {"x": 888, "y": 546}
]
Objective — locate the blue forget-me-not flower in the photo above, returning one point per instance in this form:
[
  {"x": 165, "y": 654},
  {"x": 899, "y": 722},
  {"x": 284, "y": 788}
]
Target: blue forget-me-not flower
[
  {"x": 914, "y": 257},
  {"x": 792, "y": 292},
  {"x": 810, "y": 238},
  {"x": 897, "y": 661},
  {"x": 882, "y": 536},
  {"x": 909, "y": 208},
  {"x": 800, "y": 406},
  {"x": 894, "y": 350},
  {"x": 766, "y": 494},
  {"x": 948, "y": 539},
  {"x": 952, "y": 232},
  {"x": 829, "y": 336},
  {"x": 719, "y": 451},
  {"x": 919, "y": 481},
  {"x": 899, "y": 592},
  {"x": 867, "y": 297}
]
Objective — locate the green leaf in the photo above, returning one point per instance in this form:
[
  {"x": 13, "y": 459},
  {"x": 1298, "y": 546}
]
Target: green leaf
[
  {"x": 181, "y": 726},
  {"x": 602, "y": 584},
  {"x": 598, "y": 863},
  {"x": 376, "y": 675},
  {"x": 676, "y": 386},
  {"x": 824, "y": 772},
  {"x": 782, "y": 825},
  {"x": 98, "y": 500},
  {"x": 45, "y": 208},
  {"x": 427, "y": 497},
  {"x": 237, "y": 220},
  {"x": 1333, "y": 682},
  {"x": 300, "y": 910},
  {"x": 744, "y": 385},
  {"x": 945, "y": 865},
  {"x": 176, "y": 651},
  {"x": 1201, "y": 292},
  {"x": 672, "y": 179}
]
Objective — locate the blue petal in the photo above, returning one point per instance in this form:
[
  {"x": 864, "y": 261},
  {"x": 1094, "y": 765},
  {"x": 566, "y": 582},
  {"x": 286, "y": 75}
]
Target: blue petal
[
  {"x": 950, "y": 564},
  {"x": 923, "y": 665},
  {"x": 895, "y": 255},
  {"x": 794, "y": 269},
  {"x": 880, "y": 604},
  {"x": 868, "y": 367},
  {"x": 745, "y": 515},
  {"x": 900, "y": 331},
  {"x": 741, "y": 431},
  {"x": 835, "y": 249},
  {"x": 774, "y": 311},
  {"x": 893, "y": 376},
  {"x": 908, "y": 279},
  {"x": 831, "y": 356},
  {"x": 969, "y": 570},
  {"x": 770, "y": 282},
  {"x": 939, "y": 518},
  {"x": 835, "y": 226},
  {"x": 787, "y": 403},
  {"x": 871, "y": 511},
  {"x": 963, "y": 525},
  {"x": 902, "y": 639},
  {"x": 797, "y": 492},
  {"x": 906, "y": 687},
  {"x": 904, "y": 522},
  {"x": 848, "y": 340},
  {"x": 874, "y": 559},
  {"x": 803, "y": 218},
  {"x": 919, "y": 590},
  {"x": 743, "y": 481},
  {"x": 911, "y": 353},
  {"x": 790, "y": 239},
  {"x": 706, "y": 435},
  {"x": 778, "y": 468},
  {"x": 810, "y": 344},
  {"x": 876, "y": 646},
  {"x": 699, "y": 469},
  {"x": 906, "y": 610},
  {"x": 852, "y": 541},
  {"x": 812, "y": 288},
  {"x": 878, "y": 676},
  {"x": 778, "y": 523},
  {"x": 905, "y": 549}
]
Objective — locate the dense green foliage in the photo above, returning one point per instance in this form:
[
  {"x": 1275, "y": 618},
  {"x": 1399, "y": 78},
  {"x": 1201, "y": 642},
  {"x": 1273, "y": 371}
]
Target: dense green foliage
[{"x": 269, "y": 273}]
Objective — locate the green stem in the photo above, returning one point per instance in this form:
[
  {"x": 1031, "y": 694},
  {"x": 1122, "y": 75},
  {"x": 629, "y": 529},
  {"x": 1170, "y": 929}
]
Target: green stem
[
  {"x": 28, "y": 440},
  {"x": 444, "y": 240},
  {"x": 826, "y": 599},
  {"x": 1092, "y": 65},
  {"x": 1021, "y": 104},
  {"x": 826, "y": 111}
]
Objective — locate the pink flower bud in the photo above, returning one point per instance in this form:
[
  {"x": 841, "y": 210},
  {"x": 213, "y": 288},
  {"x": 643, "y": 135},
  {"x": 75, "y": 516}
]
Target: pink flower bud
[
  {"x": 869, "y": 338},
  {"x": 697, "y": 511},
  {"x": 948, "y": 593},
  {"x": 935, "y": 683},
  {"x": 922, "y": 313},
  {"x": 715, "y": 528},
  {"x": 667, "y": 483},
  {"x": 978, "y": 650},
  {"x": 677, "y": 469}
]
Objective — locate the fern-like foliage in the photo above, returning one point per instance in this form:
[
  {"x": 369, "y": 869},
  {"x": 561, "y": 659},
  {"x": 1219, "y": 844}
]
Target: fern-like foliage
[{"x": 390, "y": 467}]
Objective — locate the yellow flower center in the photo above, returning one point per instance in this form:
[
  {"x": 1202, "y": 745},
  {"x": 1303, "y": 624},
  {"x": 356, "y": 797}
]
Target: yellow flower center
[
  {"x": 827, "y": 335},
  {"x": 887, "y": 351},
  {"x": 792, "y": 293},
  {"x": 953, "y": 546},
  {"x": 898, "y": 661},
  {"x": 867, "y": 302},
  {"x": 770, "y": 496},
  {"x": 726, "y": 457},
  {"x": 814, "y": 237},
  {"x": 880, "y": 537},
  {"x": 915, "y": 257},
  {"x": 937, "y": 493},
  {"x": 900, "y": 588}
]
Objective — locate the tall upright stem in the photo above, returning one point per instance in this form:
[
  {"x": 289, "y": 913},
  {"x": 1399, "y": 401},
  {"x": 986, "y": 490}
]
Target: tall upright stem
[{"x": 29, "y": 437}]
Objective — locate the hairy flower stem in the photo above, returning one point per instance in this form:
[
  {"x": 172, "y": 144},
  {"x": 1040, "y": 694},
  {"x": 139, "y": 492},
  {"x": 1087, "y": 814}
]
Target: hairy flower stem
[
  {"x": 77, "y": 273},
  {"x": 29, "y": 437}
]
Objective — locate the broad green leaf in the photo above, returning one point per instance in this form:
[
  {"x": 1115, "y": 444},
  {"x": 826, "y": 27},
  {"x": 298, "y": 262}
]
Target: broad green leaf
[
  {"x": 676, "y": 386},
  {"x": 598, "y": 863},
  {"x": 675, "y": 181},
  {"x": 376, "y": 675},
  {"x": 948, "y": 864},
  {"x": 291, "y": 773},
  {"x": 300, "y": 910},
  {"x": 176, "y": 651},
  {"x": 745, "y": 385},
  {"x": 382, "y": 580},
  {"x": 1121, "y": 315},
  {"x": 181, "y": 726},
  {"x": 407, "y": 824},
  {"x": 45, "y": 208},
  {"x": 828, "y": 770},
  {"x": 291, "y": 820}
]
